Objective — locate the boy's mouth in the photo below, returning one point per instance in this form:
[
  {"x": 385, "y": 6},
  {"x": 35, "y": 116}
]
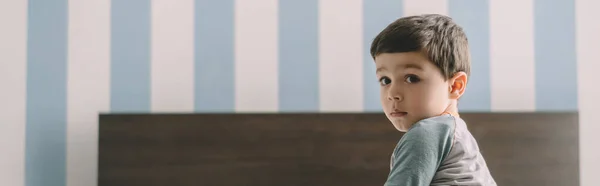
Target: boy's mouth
[{"x": 398, "y": 114}]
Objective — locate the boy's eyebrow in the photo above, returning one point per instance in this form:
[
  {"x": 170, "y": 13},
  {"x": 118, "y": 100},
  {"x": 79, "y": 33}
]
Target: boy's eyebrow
[
  {"x": 410, "y": 65},
  {"x": 405, "y": 66}
]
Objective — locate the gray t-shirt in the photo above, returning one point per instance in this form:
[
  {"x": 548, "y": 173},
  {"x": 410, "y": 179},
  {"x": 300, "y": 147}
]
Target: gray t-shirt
[{"x": 438, "y": 151}]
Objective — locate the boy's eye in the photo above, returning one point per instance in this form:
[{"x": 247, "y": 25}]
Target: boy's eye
[
  {"x": 384, "y": 81},
  {"x": 412, "y": 79}
]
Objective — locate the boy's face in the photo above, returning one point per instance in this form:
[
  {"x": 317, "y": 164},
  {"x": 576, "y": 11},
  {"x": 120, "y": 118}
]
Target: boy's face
[{"x": 412, "y": 88}]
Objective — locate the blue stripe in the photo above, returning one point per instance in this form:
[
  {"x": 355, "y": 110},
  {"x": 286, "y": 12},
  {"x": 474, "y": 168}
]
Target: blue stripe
[
  {"x": 377, "y": 15},
  {"x": 473, "y": 16},
  {"x": 555, "y": 57},
  {"x": 214, "y": 56},
  {"x": 130, "y": 56},
  {"x": 298, "y": 55},
  {"x": 45, "y": 148}
]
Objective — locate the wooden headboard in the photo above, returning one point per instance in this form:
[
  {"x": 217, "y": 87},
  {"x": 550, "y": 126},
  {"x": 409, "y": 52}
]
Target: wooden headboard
[{"x": 349, "y": 149}]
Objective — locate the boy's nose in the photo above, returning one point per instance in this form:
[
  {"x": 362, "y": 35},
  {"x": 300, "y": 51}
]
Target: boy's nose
[
  {"x": 394, "y": 95},
  {"x": 395, "y": 98}
]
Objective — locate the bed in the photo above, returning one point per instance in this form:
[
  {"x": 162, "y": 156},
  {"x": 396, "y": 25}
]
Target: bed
[{"x": 293, "y": 149}]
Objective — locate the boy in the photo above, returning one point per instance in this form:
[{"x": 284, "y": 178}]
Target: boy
[{"x": 423, "y": 65}]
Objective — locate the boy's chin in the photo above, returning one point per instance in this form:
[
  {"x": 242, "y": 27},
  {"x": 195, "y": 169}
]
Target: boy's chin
[{"x": 400, "y": 126}]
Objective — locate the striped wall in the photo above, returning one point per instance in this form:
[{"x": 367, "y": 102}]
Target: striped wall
[{"x": 63, "y": 61}]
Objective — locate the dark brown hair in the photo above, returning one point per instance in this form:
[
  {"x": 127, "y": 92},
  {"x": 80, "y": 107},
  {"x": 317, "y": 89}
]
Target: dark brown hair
[{"x": 438, "y": 36}]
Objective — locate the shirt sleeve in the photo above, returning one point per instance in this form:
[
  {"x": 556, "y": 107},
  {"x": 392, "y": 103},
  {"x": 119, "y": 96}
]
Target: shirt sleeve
[{"x": 420, "y": 152}]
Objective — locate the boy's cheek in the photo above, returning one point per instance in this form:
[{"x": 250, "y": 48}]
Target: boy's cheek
[{"x": 386, "y": 108}]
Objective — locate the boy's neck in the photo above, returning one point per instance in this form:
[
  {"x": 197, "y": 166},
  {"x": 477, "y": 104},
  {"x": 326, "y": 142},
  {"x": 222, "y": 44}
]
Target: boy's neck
[{"x": 452, "y": 109}]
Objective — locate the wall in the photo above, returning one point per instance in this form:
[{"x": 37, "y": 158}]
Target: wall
[{"x": 62, "y": 62}]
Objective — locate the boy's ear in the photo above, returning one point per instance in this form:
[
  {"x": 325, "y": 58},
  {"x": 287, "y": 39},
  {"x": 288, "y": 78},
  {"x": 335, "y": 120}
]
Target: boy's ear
[{"x": 457, "y": 85}]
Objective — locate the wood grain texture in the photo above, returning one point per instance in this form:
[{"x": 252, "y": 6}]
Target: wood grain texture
[{"x": 348, "y": 149}]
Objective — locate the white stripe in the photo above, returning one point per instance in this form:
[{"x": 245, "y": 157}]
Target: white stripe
[
  {"x": 256, "y": 66},
  {"x": 88, "y": 86},
  {"x": 512, "y": 65},
  {"x": 13, "y": 67},
  {"x": 340, "y": 55},
  {"x": 172, "y": 65},
  {"x": 416, "y": 7},
  {"x": 588, "y": 43}
]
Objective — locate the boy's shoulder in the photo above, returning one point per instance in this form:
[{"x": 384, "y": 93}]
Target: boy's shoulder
[
  {"x": 441, "y": 123},
  {"x": 445, "y": 151},
  {"x": 427, "y": 135},
  {"x": 421, "y": 151},
  {"x": 439, "y": 133},
  {"x": 434, "y": 128}
]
